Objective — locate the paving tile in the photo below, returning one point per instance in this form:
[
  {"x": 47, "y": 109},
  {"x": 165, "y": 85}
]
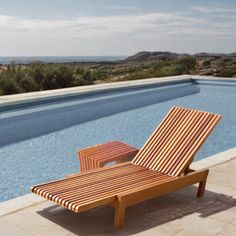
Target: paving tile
[
  {"x": 189, "y": 233},
  {"x": 228, "y": 216},
  {"x": 222, "y": 179},
  {"x": 32, "y": 222},
  {"x": 33, "y": 198},
  {"x": 18, "y": 203},
  {"x": 9, "y": 229},
  {"x": 234, "y": 222},
  {"x": 225, "y": 169},
  {"x": 56, "y": 233},
  {"x": 15, "y": 204},
  {"x": 228, "y": 230},
  {"x": 4, "y": 211},
  {"x": 165, "y": 229},
  {"x": 195, "y": 223},
  {"x": 230, "y": 191}
]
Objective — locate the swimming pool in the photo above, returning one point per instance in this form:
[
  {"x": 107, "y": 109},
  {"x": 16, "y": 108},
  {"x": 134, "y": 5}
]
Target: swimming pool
[{"x": 38, "y": 141}]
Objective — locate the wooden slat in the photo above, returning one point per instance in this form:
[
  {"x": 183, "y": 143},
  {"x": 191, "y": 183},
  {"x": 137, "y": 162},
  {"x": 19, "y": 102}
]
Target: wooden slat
[
  {"x": 171, "y": 147},
  {"x": 87, "y": 190}
]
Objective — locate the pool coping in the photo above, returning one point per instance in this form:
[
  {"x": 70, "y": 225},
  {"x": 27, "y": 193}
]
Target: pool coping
[
  {"x": 8, "y": 100},
  {"x": 29, "y": 200}
]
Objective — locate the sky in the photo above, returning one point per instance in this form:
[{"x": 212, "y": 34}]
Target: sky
[{"x": 112, "y": 27}]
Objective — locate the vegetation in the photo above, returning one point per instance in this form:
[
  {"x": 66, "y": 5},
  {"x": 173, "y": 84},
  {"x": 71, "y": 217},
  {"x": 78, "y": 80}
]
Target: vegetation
[
  {"x": 185, "y": 65},
  {"x": 41, "y": 76},
  {"x": 229, "y": 71}
]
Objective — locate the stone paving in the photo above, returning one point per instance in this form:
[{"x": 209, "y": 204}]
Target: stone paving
[{"x": 179, "y": 213}]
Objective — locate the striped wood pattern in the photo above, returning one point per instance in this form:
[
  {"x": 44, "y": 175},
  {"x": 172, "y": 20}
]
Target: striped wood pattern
[
  {"x": 97, "y": 156},
  {"x": 169, "y": 152},
  {"x": 172, "y": 146},
  {"x": 90, "y": 189}
]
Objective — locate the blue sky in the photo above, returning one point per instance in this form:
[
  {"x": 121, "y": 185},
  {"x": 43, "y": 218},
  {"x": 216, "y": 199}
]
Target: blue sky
[{"x": 109, "y": 27}]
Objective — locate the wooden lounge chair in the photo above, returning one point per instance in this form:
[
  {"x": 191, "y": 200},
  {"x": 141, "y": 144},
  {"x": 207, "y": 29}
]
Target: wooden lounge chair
[{"x": 160, "y": 167}]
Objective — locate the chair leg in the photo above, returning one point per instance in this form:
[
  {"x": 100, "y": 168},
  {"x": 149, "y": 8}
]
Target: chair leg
[
  {"x": 119, "y": 214},
  {"x": 201, "y": 188}
]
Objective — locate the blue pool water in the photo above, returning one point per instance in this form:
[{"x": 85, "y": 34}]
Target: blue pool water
[{"x": 39, "y": 143}]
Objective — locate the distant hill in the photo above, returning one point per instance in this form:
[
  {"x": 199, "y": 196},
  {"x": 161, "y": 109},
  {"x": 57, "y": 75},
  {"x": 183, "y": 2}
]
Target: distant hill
[
  {"x": 144, "y": 55},
  {"x": 216, "y": 64},
  {"x": 158, "y": 55}
]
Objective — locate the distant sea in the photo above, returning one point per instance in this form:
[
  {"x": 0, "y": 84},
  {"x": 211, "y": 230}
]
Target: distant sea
[{"x": 60, "y": 59}]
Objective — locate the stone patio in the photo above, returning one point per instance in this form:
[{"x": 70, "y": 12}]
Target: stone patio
[{"x": 179, "y": 213}]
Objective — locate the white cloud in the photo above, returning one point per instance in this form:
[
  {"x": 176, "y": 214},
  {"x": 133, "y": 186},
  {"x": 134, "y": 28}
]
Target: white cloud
[
  {"x": 95, "y": 26},
  {"x": 118, "y": 34},
  {"x": 204, "y": 9}
]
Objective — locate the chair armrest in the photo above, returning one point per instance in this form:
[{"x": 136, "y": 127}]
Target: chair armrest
[{"x": 150, "y": 191}]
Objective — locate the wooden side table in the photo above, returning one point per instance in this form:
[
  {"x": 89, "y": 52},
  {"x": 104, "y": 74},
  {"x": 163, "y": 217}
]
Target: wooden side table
[{"x": 99, "y": 155}]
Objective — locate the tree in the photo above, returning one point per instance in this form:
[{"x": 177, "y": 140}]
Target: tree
[{"x": 188, "y": 64}]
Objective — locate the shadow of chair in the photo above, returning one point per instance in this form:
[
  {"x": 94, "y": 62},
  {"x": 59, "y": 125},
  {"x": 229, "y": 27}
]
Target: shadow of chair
[{"x": 143, "y": 216}]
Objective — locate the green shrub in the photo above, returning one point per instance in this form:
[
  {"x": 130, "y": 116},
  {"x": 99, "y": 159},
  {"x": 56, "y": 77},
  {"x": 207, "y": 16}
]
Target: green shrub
[
  {"x": 41, "y": 76},
  {"x": 187, "y": 64},
  {"x": 28, "y": 84},
  {"x": 9, "y": 86},
  {"x": 180, "y": 66},
  {"x": 229, "y": 71}
]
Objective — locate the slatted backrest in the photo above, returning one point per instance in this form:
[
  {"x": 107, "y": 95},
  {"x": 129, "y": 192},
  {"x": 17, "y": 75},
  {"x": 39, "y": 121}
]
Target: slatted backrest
[{"x": 172, "y": 146}]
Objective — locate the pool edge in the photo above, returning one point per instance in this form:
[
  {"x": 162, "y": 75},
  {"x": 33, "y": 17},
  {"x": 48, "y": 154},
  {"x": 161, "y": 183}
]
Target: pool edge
[
  {"x": 8, "y": 100},
  {"x": 22, "y": 98}
]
